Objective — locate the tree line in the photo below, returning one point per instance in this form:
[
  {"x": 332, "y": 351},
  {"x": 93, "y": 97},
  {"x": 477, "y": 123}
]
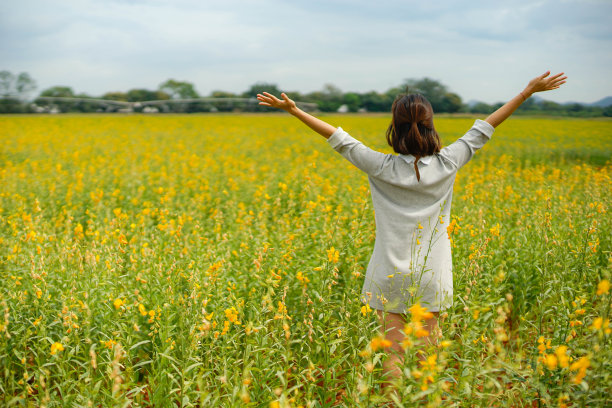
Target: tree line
[{"x": 182, "y": 97}]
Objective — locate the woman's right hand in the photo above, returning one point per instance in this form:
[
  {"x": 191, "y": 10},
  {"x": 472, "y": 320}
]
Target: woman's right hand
[
  {"x": 267, "y": 99},
  {"x": 544, "y": 83}
]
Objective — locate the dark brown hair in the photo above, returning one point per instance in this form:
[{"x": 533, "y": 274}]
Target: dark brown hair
[{"x": 412, "y": 130}]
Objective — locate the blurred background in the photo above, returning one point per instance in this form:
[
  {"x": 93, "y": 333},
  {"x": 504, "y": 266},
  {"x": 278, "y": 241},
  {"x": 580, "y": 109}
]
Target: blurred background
[{"x": 338, "y": 55}]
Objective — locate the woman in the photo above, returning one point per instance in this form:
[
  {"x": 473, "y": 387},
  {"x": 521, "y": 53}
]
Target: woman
[{"x": 412, "y": 194}]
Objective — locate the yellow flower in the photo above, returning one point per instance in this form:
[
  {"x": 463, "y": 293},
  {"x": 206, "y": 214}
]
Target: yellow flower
[
  {"x": 108, "y": 343},
  {"x": 430, "y": 363},
  {"x": 333, "y": 255},
  {"x": 597, "y": 323},
  {"x": 603, "y": 287},
  {"x": 231, "y": 314},
  {"x": 118, "y": 303},
  {"x": 600, "y": 324},
  {"x": 379, "y": 342},
  {"x": 122, "y": 240},
  {"x": 495, "y": 230},
  {"x": 418, "y": 313},
  {"x": 142, "y": 309},
  {"x": 562, "y": 356},
  {"x": 365, "y": 309},
  {"x": 581, "y": 365},
  {"x": 300, "y": 276},
  {"x": 78, "y": 230},
  {"x": 551, "y": 361},
  {"x": 55, "y": 347},
  {"x": 421, "y": 333}
]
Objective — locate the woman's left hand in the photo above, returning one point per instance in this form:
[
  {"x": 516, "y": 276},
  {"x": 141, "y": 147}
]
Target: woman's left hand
[{"x": 286, "y": 104}]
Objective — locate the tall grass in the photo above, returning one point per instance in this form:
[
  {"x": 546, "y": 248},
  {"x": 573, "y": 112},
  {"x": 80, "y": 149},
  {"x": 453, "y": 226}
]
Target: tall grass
[{"x": 217, "y": 261}]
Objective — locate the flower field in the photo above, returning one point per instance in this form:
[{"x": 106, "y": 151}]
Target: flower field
[{"x": 218, "y": 260}]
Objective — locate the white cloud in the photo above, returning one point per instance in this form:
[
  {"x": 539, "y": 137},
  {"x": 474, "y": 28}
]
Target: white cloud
[{"x": 481, "y": 50}]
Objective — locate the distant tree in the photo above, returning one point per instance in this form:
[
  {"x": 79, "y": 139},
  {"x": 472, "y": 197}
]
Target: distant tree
[
  {"x": 551, "y": 107},
  {"x": 58, "y": 92},
  {"x": 352, "y": 100},
  {"x": 332, "y": 91},
  {"x": 87, "y": 106},
  {"x": 222, "y": 106},
  {"x": 115, "y": 96},
  {"x": 11, "y": 105},
  {"x": 481, "y": 107},
  {"x": 575, "y": 107},
  {"x": 260, "y": 87},
  {"x": 330, "y": 99},
  {"x": 451, "y": 103},
  {"x": 529, "y": 105},
  {"x": 14, "y": 91},
  {"x": 179, "y": 89},
  {"x": 7, "y": 80},
  {"x": 141, "y": 95},
  {"x": 18, "y": 87},
  {"x": 25, "y": 85},
  {"x": 436, "y": 93},
  {"x": 374, "y": 102},
  {"x": 222, "y": 94}
]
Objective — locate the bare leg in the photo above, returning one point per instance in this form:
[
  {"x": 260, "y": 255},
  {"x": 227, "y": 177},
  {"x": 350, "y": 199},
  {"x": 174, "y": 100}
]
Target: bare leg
[
  {"x": 392, "y": 324},
  {"x": 392, "y": 328}
]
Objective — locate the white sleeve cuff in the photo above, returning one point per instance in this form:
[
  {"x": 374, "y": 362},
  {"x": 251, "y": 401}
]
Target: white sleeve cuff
[
  {"x": 484, "y": 127},
  {"x": 337, "y": 137}
]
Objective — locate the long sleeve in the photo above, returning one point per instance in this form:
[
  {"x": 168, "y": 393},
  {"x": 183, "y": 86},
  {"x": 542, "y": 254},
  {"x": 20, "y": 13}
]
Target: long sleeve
[
  {"x": 461, "y": 151},
  {"x": 364, "y": 158}
]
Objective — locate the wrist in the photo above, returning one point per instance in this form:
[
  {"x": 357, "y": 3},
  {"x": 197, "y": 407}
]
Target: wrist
[
  {"x": 293, "y": 110},
  {"x": 526, "y": 93}
]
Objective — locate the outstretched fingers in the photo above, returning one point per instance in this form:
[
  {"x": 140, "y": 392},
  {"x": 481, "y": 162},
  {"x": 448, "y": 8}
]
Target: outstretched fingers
[
  {"x": 274, "y": 98},
  {"x": 265, "y": 100},
  {"x": 556, "y": 81}
]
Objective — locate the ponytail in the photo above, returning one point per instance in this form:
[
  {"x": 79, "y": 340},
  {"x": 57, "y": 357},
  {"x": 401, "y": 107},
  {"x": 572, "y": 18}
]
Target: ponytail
[{"x": 411, "y": 130}]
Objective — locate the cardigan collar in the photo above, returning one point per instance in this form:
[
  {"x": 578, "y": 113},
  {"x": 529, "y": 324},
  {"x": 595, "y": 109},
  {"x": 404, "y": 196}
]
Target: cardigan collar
[{"x": 410, "y": 158}]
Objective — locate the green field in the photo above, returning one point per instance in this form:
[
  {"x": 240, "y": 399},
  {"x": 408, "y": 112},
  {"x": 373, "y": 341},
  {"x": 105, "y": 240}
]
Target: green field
[{"x": 191, "y": 261}]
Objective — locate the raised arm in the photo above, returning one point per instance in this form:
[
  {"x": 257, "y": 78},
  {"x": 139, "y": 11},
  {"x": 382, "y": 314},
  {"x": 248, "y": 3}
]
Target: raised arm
[
  {"x": 538, "y": 84},
  {"x": 319, "y": 126}
]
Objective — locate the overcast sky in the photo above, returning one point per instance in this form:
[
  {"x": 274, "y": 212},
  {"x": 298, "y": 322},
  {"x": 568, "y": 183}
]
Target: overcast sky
[{"x": 482, "y": 50}]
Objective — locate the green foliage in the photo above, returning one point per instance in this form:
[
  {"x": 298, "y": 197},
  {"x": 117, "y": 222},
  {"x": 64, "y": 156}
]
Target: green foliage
[
  {"x": 260, "y": 87},
  {"x": 17, "y": 87},
  {"x": 116, "y": 96},
  {"x": 14, "y": 90},
  {"x": 141, "y": 95},
  {"x": 438, "y": 95},
  {"x": 179, "y": 89},
  {"x": 11, "y": 105},
  {"x": 58, "y": 91},
  {"x": 129, "y": 244}
]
